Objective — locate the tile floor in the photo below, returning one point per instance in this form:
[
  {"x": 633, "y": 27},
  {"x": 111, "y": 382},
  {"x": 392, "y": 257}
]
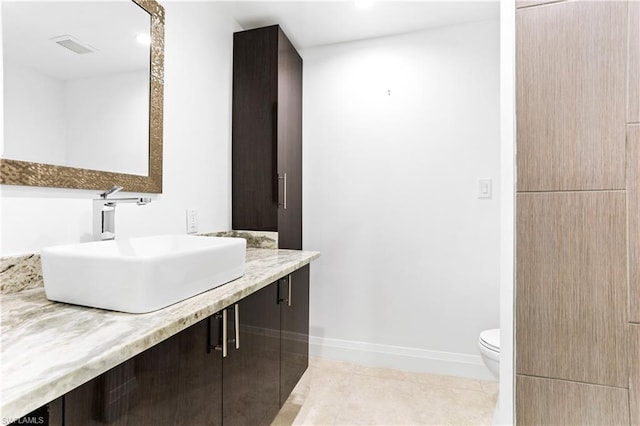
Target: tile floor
[{"x": 340, "y": 393}]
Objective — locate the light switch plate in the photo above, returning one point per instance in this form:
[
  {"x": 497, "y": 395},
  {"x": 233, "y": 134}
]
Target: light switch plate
[
  {"x": 484, "y": 188},
  {"x": 192, "y": 221}
]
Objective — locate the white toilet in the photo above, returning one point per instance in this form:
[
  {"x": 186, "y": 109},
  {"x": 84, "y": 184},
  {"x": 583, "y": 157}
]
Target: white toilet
[{"x": 489, "y": 346}]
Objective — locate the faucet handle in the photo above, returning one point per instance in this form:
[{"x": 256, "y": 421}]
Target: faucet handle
[{"x": 108, "y": 192}]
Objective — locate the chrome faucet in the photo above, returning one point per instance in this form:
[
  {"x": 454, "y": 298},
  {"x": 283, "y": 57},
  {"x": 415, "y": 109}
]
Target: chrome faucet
[{"x": 104, "y": 213}]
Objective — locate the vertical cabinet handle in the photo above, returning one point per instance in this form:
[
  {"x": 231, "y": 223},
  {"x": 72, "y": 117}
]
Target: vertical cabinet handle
[
  {"x": 288, "y": 298},
  {"x": 223, "y": 345},
  {"x": 284, "y": 191},
  {"x": 209, "y": 340},
  {"x": 224, "y": 334},
  {"x": 237, "y": 323}
]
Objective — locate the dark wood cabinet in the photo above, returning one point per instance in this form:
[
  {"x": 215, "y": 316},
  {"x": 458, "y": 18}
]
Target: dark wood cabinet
[
  {"x": 251, "y": 373},
  {"x": 294, "y": 326},
  {"x": 48, "y": 415},
  {"x": 177, "y": 382},
  {"x": 267, "y": 135},
  {"x": 193, "y": 378},
  {"x": 267, "y": 173}
]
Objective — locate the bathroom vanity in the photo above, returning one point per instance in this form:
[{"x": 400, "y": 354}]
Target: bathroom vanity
[{"x": 230, "y": 355}]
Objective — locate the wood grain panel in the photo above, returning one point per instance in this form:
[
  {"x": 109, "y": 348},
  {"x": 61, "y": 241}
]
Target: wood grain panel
[
  {"x": 633, "y": 109},
  {"x": 253, "y": 150},
  {"x": 634, "y": 376},
  {"x": 571, "y": 96},
  {"x": 542, "y": 401},
  {"x": 294, "y": 331},
  {"x": 633, "y": 189},
  {"x": 527, "y": 3},
  {"x": 572, "y": 287},
  {"x": 290, "y": 142}
]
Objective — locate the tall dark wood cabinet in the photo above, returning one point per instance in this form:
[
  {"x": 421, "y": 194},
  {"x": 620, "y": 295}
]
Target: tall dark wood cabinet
[
  {"x": 267, "y": 135},
  {"x": 267, "y": 172}
]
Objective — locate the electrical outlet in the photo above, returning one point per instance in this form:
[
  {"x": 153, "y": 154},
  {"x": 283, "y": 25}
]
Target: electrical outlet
[{"x": 192, "y": 221}]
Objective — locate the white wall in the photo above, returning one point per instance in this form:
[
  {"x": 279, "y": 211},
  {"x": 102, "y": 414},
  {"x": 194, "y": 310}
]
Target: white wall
[
  {"x": 506, "y": 402},
  {"x": 197, "y": 141},
  {"x": 397, "y": 130}
]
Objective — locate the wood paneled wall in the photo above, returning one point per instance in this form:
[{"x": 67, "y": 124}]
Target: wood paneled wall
[
  {"x": 571, "y": 76},
  {"x": 527, "y": 3},
  {"x": 633, "y": 114},
  {"x": 578, "y": 212},
  {"x": 634, "y": 376},
  {"x": 571, "y": 287},
  {"x": 633, "y": 190},
  {"x": 557, "y": 402}
]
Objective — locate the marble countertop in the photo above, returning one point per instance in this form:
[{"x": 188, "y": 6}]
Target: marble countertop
[{"x": 50, "y": 348}]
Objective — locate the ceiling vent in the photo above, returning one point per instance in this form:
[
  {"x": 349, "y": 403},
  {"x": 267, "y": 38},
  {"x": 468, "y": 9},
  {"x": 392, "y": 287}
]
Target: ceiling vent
[{"x": 74, "y": 44}]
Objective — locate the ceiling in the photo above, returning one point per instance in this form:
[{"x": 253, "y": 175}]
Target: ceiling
[
  {"x": 110, "y": 27},
  {"x": 316, "y": 23}
]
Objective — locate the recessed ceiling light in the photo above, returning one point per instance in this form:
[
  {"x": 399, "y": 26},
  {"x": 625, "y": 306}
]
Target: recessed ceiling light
[
  {"x": 363, "y": 4},
  {"x": 144, "y": 39}
]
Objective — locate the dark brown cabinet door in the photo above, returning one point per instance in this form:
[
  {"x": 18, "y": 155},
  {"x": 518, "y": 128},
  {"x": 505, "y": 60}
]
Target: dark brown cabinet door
[
  {"x": 254, "y": 195},
  {"x": 289, "y": 145},
  {"x": 48, "y": 415},
  {"x": 251, "y": 374},
  {"x": 177, "y": 382},
  {"x": 294, "y": 326},
  {"x": 267, "y": 135}
]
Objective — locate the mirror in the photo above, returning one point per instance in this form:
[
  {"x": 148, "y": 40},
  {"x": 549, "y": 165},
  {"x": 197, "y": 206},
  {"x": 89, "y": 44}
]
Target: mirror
[{"x": 82, "y": 96}]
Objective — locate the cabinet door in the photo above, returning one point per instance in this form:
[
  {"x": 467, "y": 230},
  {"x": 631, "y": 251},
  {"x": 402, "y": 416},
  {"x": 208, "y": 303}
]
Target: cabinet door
[
  {"x": 48, "y": 415},
  {"x": 289, "y": 145},
  {"x": 254, "y": 133},
  {"x": 177, "y": 382},
  {"x": 294, "y": 326},
  {"x": 251, "y": 373}
]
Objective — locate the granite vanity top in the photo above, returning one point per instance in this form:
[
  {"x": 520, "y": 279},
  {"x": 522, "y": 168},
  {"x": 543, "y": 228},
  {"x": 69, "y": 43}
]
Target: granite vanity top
[{"x": 50, "y": 348}]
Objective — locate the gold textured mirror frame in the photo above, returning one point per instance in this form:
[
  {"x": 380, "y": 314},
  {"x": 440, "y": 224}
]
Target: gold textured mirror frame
[{"x": 15, "y": 172}]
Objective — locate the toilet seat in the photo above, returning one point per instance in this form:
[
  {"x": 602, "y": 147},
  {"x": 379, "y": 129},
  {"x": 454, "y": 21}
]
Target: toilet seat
[{"x": 490, "y": 339}]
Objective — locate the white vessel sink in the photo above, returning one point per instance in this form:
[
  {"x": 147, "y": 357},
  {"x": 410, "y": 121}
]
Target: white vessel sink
[{"x": 140, "y": 275}]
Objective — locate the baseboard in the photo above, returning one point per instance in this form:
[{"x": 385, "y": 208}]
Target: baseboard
[{"x": 400, "y": 358}]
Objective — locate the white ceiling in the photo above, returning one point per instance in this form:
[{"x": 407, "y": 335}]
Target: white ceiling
[
  {"x": 109, "y": 26},
  {"x": 315, "y": 23}
]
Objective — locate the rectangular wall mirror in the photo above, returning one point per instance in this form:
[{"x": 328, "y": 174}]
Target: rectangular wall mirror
[{"x": 83, "y": 94}]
